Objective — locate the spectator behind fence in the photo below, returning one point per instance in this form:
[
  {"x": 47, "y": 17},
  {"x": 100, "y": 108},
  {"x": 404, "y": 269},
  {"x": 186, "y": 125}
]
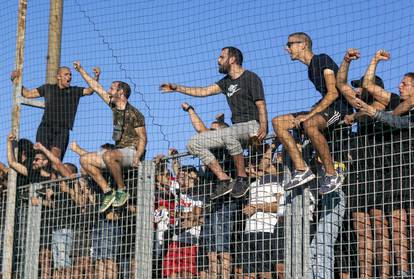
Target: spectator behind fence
[
  {"x": 325, "y": 113},
  {"x": 61, "y": 104},
  {"x": 129, "y": 135},
  {"x": 245, "y": 96},
  {"x": 219, "y": 222},
  {"x": 181, "y": 258},
  {"x": 367, "y": 194},
  {"x": 261, "y": 251}
]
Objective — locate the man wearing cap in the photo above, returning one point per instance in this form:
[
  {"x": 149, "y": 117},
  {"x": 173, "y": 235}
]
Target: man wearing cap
[
  {"x": 366, "y": 194},
  {"x": 245, "y": 97},
  {"x": 130, "y": 138}
]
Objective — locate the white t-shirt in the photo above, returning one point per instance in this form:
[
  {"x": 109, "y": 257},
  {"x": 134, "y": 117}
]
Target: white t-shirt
[{"x": 265, "y": 193}]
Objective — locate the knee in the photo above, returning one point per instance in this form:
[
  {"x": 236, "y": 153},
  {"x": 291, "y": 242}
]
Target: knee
[
  {"x": 85, "y": 160},
  {"x": 193, "y": 145},
  {"x": 308, "y": 125},
  {"x": 278, "y": 123},
  {"x": 107, "y": 157}
]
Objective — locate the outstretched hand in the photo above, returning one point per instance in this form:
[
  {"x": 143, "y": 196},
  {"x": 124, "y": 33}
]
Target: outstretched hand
[
  {"x": 77, "y": 65},
  {"x": 38, "y": 146},
  {"x": 96, "y": 71},
  {"x": 168, "y": 87}
]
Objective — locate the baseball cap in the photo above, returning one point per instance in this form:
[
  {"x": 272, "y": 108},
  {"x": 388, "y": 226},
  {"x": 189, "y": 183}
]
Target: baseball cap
[{"x": 358, "y": 82}]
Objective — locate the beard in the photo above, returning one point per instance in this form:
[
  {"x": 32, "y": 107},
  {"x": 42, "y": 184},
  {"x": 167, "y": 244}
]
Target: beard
[{"x": 224, "y": 69}]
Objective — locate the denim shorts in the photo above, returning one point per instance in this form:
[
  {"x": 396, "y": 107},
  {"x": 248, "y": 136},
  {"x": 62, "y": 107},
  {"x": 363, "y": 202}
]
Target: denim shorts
[
  {"x": 219, "y": 226},
  {"x": 106, "y": 240},
  {"x": 62, "y": 244}
]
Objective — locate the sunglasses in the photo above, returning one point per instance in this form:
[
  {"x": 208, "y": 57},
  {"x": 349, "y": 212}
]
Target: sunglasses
[
  {"x": 37, "y": 159},
  {"x": 289, "y": 44}
]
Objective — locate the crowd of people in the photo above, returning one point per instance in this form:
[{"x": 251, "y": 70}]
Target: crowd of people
[{"x": 224, "y": 218}]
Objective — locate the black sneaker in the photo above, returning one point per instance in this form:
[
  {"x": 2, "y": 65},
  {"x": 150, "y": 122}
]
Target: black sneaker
[
  {"x": 240, "y": 187},
  {"x": 223, "y": 187},
  {"x": 299, "y": 178},
  {"x": 330, "y": 184}
]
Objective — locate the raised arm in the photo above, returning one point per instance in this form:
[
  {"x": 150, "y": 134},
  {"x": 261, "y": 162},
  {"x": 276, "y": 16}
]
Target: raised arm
[
  {"x": 97, "y": 73},
  {"x": 93, "y": 84},
  {"x": 342, "y": 75},
  {"x": 56, "y": 162},
  {"x": 191, "y": 91},
  {"x": 379, "y": 93},
  {"x": 27, "y": 93},
  {"x": 195, "y": 119},
  {"x": 12, "y": 159}
]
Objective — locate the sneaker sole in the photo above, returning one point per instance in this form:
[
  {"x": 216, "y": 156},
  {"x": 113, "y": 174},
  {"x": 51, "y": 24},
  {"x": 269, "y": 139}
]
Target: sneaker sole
[
  {"x": 331, "y": 190},
  {"x": 102, "y": 210},
  {"x": 120, "y": 204},
  {"x": 237, "y": 196},
  {"x": 221, "y": 195},
  {"x": 308, "y": 179}
]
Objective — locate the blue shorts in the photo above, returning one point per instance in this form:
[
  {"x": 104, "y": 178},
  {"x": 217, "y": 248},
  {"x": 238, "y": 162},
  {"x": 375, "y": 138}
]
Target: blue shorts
[
  {"x": 62, "y": 244},
  {"x": 219, "y": 226},
  {"x": 106, "y": 240}
]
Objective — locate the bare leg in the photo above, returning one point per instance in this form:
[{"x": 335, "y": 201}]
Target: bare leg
[
  {"x": 111, "y": 269},
  {"x": 91, "y": 163},
  {"x": 313, "y": 128},
  {"x": 212, "y": 259},
  {"x": 362, "y": 226},
  {"x": 45, "y": 263},
  {"x": 280, "y": 270},
  {"x": 100, "y": 269},
  {"x": 113, "y": 161},
  {"x": 239, "y": 163},
  {"x": 214, "y": 166},
  {"x": 382, "y": 245},
  {"x": 281, "y": 126},
  {"x": 400, "y": 239},
  {"x": 225, "y": 265}
]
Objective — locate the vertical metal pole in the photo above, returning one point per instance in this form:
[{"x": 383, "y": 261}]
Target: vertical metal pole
[
  {"x": 144, "y": 221},
  {"x": 11, "y": 186},
  {"x": 55, "y": 40}
]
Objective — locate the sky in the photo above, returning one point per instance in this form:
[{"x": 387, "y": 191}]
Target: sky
[{"x": 148, "y": 42}]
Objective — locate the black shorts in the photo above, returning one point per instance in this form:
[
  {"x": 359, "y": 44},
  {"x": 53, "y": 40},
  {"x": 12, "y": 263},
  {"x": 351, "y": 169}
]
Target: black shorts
[
  {"x": 53, "y": 136},
  {"x": 258, "y": 252},
  {"x": 331, "y": 116}
]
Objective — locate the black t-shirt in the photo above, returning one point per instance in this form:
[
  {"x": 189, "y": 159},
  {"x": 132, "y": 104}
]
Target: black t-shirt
[
  {"x": 241, "y": 94},
  {"x": 370, "y": 126},
  {"x": 318, "y": 64},
  {"x": 60, "y": 104}
]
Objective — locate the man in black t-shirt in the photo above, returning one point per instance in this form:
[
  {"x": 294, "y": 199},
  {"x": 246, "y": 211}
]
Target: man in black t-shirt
[
  {"x": 245, "y": 97},
  {"x": 61, "y": 104},
  {"x": 325, "y": 113}
]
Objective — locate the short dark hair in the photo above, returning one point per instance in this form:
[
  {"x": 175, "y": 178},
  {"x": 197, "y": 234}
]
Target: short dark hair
[
  {"x": 61, "y": 68},
  {"x": 25, "y": 147},
  {"x": 124, "y": 87},
  {"x": 410, "y": 75},
  {"x": 305, "y": 37},
  {"x": 236, "y": 53},
  {"x": 72, "y": 167}
]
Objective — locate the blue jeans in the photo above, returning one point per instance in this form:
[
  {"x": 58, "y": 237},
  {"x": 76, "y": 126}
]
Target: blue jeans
[
  {"x": 62, "y": 245},
  {"x": 329, "y": 225},
  {"x": 106, "y": 240}
]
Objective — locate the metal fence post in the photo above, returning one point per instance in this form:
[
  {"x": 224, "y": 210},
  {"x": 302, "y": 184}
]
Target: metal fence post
[
  {"x": 31, "y": 259},
  {"x": 144, "y": 220}
]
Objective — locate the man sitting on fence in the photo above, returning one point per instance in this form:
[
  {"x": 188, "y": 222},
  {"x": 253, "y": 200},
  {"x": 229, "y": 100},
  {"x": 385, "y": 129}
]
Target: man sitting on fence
[
  {"x": 325, "y": 113},
  {"x": 129, "y": 135},
  {"x": 245, "y": 96}
]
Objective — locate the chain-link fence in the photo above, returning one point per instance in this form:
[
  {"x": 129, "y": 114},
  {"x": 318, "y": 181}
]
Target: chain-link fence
[{"x": 170, "y": 228}]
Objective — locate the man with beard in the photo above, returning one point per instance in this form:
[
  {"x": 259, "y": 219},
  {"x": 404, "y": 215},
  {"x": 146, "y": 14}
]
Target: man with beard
[
  {"x": 61, "y": 104},
  {"x": 130, "y": 138},
  {"x": 245, "y": 96}
]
